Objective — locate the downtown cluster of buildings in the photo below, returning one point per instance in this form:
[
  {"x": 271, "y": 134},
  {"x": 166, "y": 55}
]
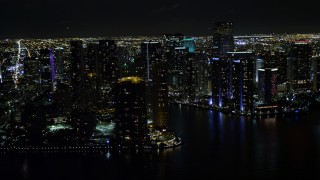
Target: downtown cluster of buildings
[{"x": 116, "y": 91}]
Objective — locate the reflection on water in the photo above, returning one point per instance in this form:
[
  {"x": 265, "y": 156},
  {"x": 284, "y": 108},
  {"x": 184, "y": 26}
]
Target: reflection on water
[{"x": 216, "y": 146}]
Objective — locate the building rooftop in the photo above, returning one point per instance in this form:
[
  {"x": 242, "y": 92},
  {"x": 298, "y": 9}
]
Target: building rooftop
[{"x": 131, "y": 79}]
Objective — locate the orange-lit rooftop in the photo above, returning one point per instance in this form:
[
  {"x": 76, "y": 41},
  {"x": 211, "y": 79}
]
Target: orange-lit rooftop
[{"x": 132, "y": 79}]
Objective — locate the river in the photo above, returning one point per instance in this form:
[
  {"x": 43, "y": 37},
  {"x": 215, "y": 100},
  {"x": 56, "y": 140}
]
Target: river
[{"x": 216, "y": 146}]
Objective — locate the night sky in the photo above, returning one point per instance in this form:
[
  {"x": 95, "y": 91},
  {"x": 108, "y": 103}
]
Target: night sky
[{"x": 70, "y": 18}]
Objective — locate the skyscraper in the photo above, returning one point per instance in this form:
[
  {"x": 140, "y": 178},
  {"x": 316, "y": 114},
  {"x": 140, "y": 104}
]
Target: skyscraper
[
  {"x": 151, "y": 52},
  {"x": 299, "y": 66},
  {"x": 160, "y": 95},
  {"x": 316, "y": 73},
  {"x": 170, "y": 43},
  {"x": 267, "y": 85},
  {"x": 130, "y": 112},
  {"x": 107, "y": 71},
  {"x": 189, "y": 43},
  {"x": 176, "y": 70},
  {"x": 77, "y": 73},
  {"x": 222, "y": 40},
  {"x": 221, "y": 81},
  {"x": 32, "y": 75},
  {"x": 47, "y": 72},
  {"x": 242, "y": 81},
  {"x": 82, "y": 119},
  {"x": 59, "y": 62}
]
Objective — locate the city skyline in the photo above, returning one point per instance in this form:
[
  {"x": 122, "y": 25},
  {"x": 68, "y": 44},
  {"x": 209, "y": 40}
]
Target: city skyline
[{"x": 38, "y": 19}]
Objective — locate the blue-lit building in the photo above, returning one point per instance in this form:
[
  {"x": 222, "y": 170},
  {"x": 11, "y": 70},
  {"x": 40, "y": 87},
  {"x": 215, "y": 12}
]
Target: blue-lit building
[
  {"x": 242, "y": 81},
  {"x": 221, "y": 82},
  {"x": 189, "y": 43}
]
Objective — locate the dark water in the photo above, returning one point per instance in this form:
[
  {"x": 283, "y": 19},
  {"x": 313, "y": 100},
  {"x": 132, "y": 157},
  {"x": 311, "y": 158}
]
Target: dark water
[{"x": 216, "y": 146}]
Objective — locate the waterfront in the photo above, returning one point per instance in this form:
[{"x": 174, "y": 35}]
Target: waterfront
[{"x": 216, "y": 146}]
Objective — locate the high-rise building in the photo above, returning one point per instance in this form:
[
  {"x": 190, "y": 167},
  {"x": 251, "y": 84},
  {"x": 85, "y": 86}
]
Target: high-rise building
[
  {"x": 90, "y": 74},
  {"x": 77, "y": 71},
  {"x": 267, "y": 85},
  {"x": 107, "y": 71},
  {"x": 160, "y": 95},
  {"x": 47, "y": 72},
  {"x": 130, "y": 112},
  {"x": 59, "y": 64},
  {"x": 189, "y": 43},
  {"x": 190, "y": 72},
  {"x": 259, "y": 65},
  {"x": 172, "y": 40},
  {"x": 32, "y": 74},
  {"x": 203, "y": 78},
  {"x": 176, "y": 70},
  {"x": 151, "y": 52},
  {"x": 170, "y": 43},
  {"x": 299, "y": 66},
  {"x": 242, "y": 80},
  {"x": 222, "y": 40},
  {"x": 315, "y": 73},
  {"x": 221, "y": 82},
  {"x": 281, "y": 57}
]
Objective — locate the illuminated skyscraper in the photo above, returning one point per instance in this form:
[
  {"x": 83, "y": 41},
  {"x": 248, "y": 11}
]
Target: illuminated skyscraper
[
  {"x": 77, "y": 73},
  {"x": 160, "y": 95},
  {"x": 316, "y": 73},
  {"x": 107, "y": 71},
  {"x": 32, "y": 74},
  {"x": 267, "y": 85},
  {"x": 170, "y": 43},
  {"x": 221, "y": 81},
  {"x": 82, "y": 118},
  {"x": 223, "y": 40},
  {"x": 259, "y": 65},
  {"x": 281, "y": 58},
  {"x": 60, "y": 57},
  {"x": 190, "y": 72},
  {"x": 299, "y": 66},
  {"x": 203, "y": 78},
  {"x": 90, "y": 74},
  {"x": 151, "y": 52},
  {"x": 47, "y": 72},
  {"x": 130, "y": 112},
  {"x": 242, "y": 80},
  {"x": 189, "y": 43},
  {"x": 176, "y": 70}
]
